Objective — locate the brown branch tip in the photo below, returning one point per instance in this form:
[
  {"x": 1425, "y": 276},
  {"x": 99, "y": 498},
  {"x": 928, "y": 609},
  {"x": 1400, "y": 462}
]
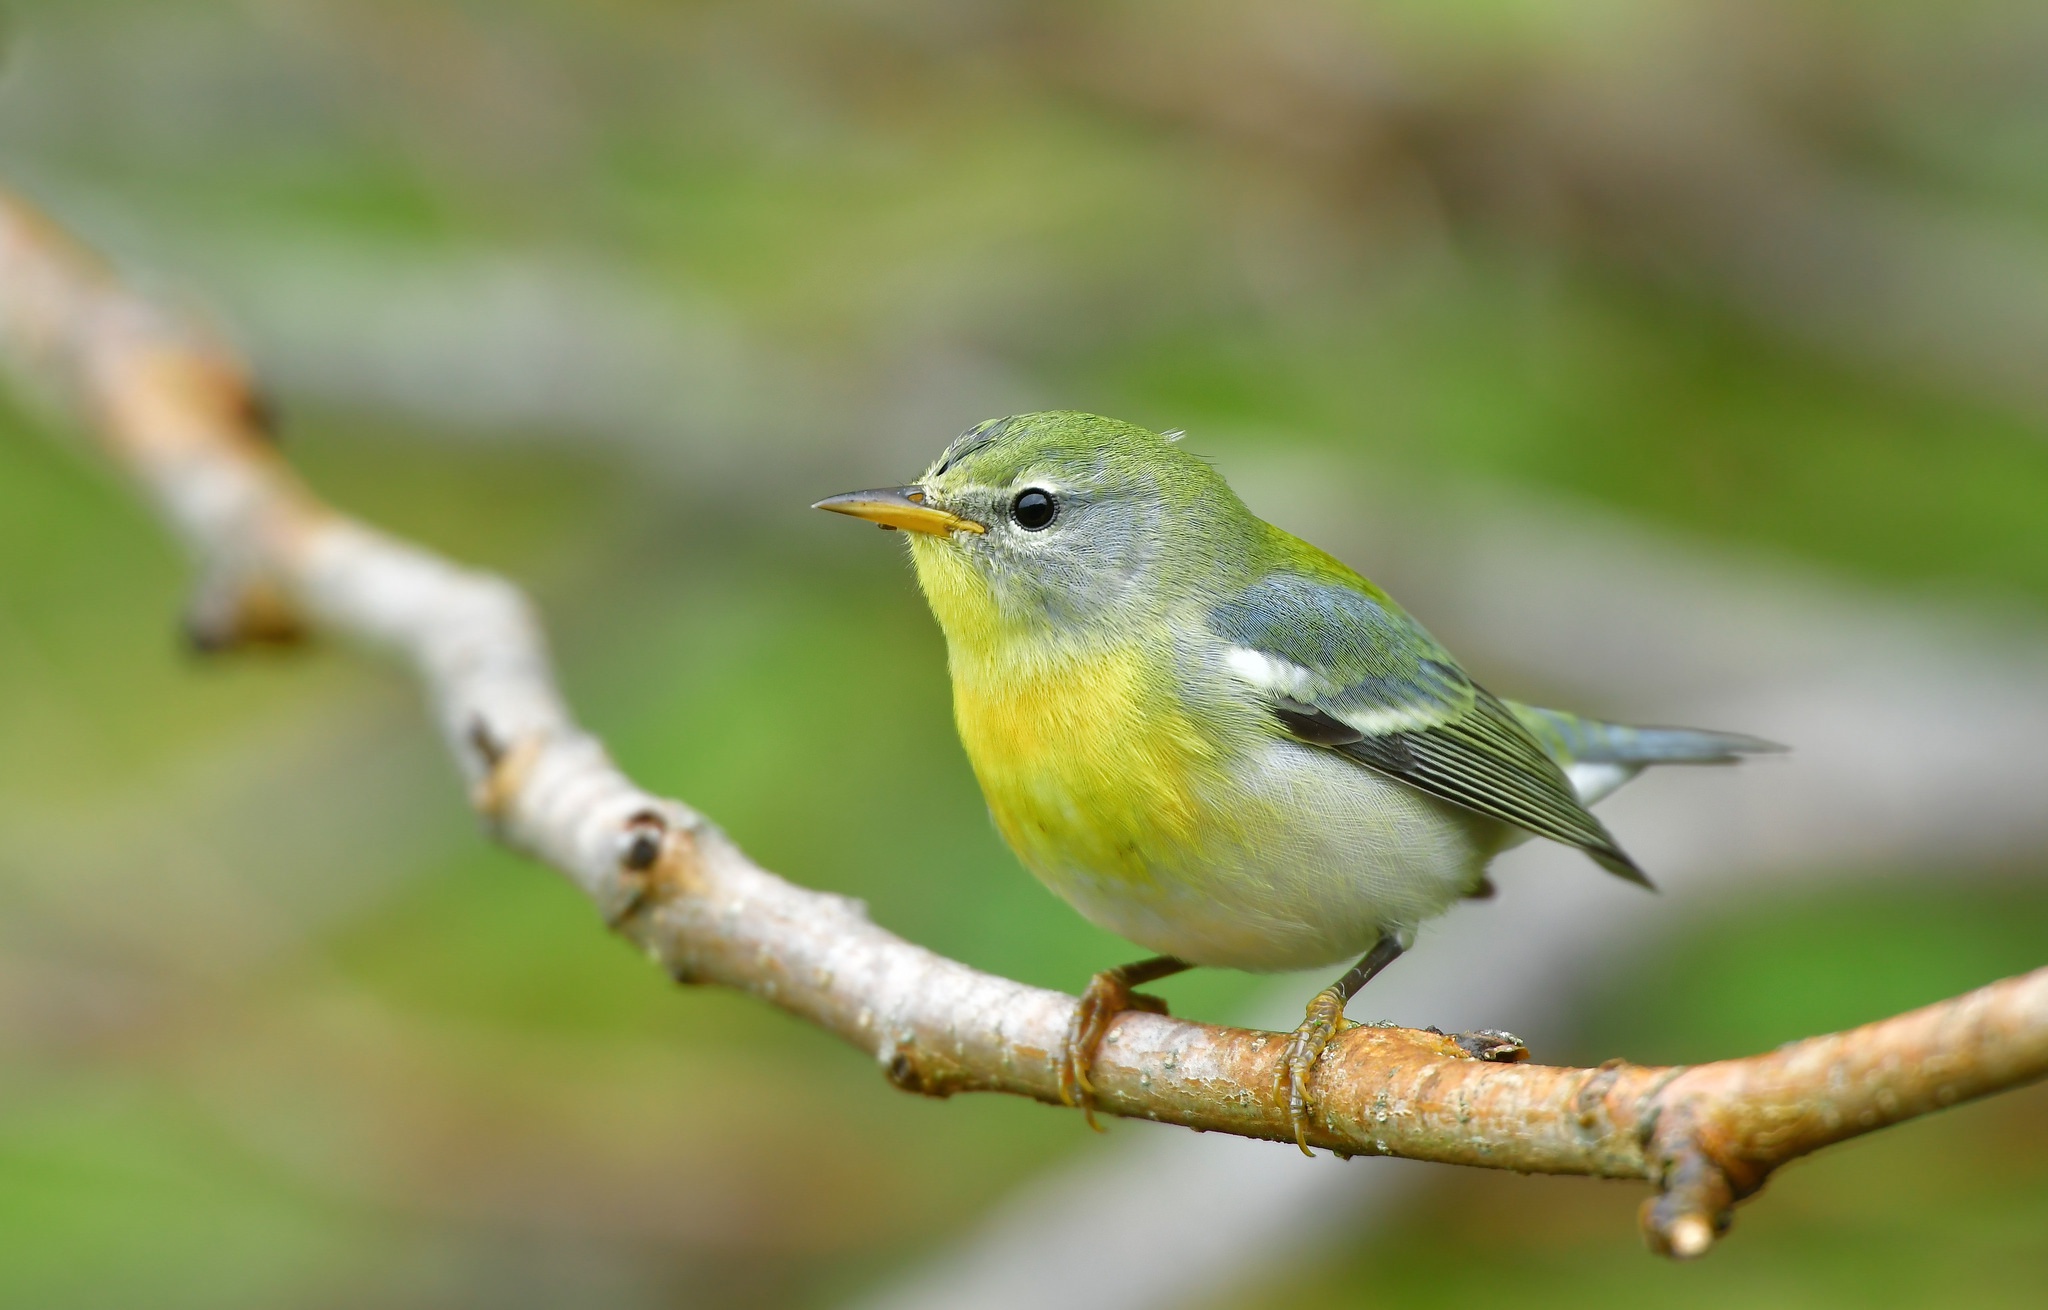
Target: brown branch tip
[{"x": 176, "y": 410}]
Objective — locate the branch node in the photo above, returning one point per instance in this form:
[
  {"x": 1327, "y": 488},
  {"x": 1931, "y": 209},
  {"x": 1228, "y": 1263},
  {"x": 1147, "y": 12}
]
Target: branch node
[
  {"x": 901, "y": 1071},
  {"x": 233, "y": 611},
  {"x": 1691, "y": 1237},
  {"x": 1494, "y": 1045},
  {"x": 1692, "y": 1212},
  {"x": 486, "y": 743},
  {"x": 641, "y": 843},
  {"x": 649, "y": 849},
  {"x": 506, "y": 770},
  {"x": 910, "y": 1070},
  {"x": 1697, "y": 1191},
  {"x": 260, "y": 413},
  {"x": 1592, "y": 1096}
]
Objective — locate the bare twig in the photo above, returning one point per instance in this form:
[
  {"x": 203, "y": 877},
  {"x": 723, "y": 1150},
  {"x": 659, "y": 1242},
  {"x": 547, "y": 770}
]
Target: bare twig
[{"x": 176, "y": 409}]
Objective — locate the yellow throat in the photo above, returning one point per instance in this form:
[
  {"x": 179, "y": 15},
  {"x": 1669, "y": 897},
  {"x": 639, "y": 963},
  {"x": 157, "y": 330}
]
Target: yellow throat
[{"x": 1083, "y": 750}]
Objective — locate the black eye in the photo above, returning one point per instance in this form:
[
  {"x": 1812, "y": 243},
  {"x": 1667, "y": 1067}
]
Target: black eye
[{"x": 1034, "y": 509}]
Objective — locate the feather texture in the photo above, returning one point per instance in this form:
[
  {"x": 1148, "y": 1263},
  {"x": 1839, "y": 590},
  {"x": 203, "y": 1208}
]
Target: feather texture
[
  {"x": 1210, "y": 736},
  {"x": 1347, "y": 669}
]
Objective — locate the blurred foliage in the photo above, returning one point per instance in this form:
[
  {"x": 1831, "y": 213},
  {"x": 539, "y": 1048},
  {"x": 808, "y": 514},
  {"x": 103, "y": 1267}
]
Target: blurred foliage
[{"x": 279, "y": 1029}]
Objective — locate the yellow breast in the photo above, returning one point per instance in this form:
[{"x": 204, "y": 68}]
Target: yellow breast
[{"x": 1088, "y": 761}]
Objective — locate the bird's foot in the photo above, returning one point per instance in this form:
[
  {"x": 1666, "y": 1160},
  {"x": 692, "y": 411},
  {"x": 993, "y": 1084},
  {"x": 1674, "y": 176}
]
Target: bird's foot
[
  {"x": 1108, "y": 995},
  {"x": 1325, "y": 1020}
]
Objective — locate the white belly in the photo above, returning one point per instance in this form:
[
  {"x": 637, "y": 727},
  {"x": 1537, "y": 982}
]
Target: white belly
[{"x": 1332, "y": 855}]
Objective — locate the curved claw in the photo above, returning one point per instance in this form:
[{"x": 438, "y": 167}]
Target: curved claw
[
  {"x": 1108, "y": 995},
  {"x": 1325, "y": 1020}
]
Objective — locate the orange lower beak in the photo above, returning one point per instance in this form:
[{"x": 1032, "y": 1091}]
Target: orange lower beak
[{"x": 899, "y": 507}]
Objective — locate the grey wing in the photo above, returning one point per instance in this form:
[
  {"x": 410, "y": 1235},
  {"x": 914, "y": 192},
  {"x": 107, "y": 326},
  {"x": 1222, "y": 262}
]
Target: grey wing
[{"x": 1345, "y": 669}]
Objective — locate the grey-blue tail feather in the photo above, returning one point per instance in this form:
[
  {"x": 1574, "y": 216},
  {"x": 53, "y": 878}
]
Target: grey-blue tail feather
[
  {"x": 1572, "y": 739},
  {"x": 1601, "y": 756}
]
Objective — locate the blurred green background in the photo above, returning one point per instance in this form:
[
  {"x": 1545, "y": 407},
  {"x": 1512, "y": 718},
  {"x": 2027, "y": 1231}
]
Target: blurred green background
[{"x": 600, "y": 295}]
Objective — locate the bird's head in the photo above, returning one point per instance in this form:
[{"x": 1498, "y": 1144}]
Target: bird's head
[{"x": 1058, "y": 525}]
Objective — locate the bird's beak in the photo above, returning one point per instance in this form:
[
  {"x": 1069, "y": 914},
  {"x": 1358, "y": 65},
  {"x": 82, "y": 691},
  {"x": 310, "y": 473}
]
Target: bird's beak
[{"x": 899, "y": 507}]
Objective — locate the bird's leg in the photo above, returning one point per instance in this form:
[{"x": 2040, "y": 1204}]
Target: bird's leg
[
  {"x": 1109, "y": 994},
  {"x": 1325, "y": 1019}
]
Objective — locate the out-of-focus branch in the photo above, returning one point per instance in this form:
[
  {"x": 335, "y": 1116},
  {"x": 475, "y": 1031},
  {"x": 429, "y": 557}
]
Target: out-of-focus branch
[
  {"x": 175, "y": 409},
  {"x": 1666, "y": 143}
]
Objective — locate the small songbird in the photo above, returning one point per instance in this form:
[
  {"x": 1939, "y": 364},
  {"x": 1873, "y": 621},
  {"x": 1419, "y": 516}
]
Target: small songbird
[{"x": 1216, "y": 740}]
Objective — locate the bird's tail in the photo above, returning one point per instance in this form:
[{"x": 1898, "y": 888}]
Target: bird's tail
[{"x": 1599, "y": 757}]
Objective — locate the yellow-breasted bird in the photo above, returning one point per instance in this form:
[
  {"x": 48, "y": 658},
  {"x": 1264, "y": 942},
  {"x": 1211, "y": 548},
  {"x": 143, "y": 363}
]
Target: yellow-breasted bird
[{"x": 1215, "y": 739}]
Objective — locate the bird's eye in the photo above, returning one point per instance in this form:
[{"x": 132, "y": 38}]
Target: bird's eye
[{"x": 1034, "y": 509}]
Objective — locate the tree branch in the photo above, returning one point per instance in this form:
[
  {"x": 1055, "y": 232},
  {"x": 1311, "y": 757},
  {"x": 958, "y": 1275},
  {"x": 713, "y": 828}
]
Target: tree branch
[{"x": 176, "y": 409}]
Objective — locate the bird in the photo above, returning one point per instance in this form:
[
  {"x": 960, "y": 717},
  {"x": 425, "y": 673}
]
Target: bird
[{"x": 1216, "y": 740}]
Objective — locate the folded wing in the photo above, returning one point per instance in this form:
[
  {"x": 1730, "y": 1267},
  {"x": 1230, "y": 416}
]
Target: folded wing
[{"x": 1344, "y": 668}]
